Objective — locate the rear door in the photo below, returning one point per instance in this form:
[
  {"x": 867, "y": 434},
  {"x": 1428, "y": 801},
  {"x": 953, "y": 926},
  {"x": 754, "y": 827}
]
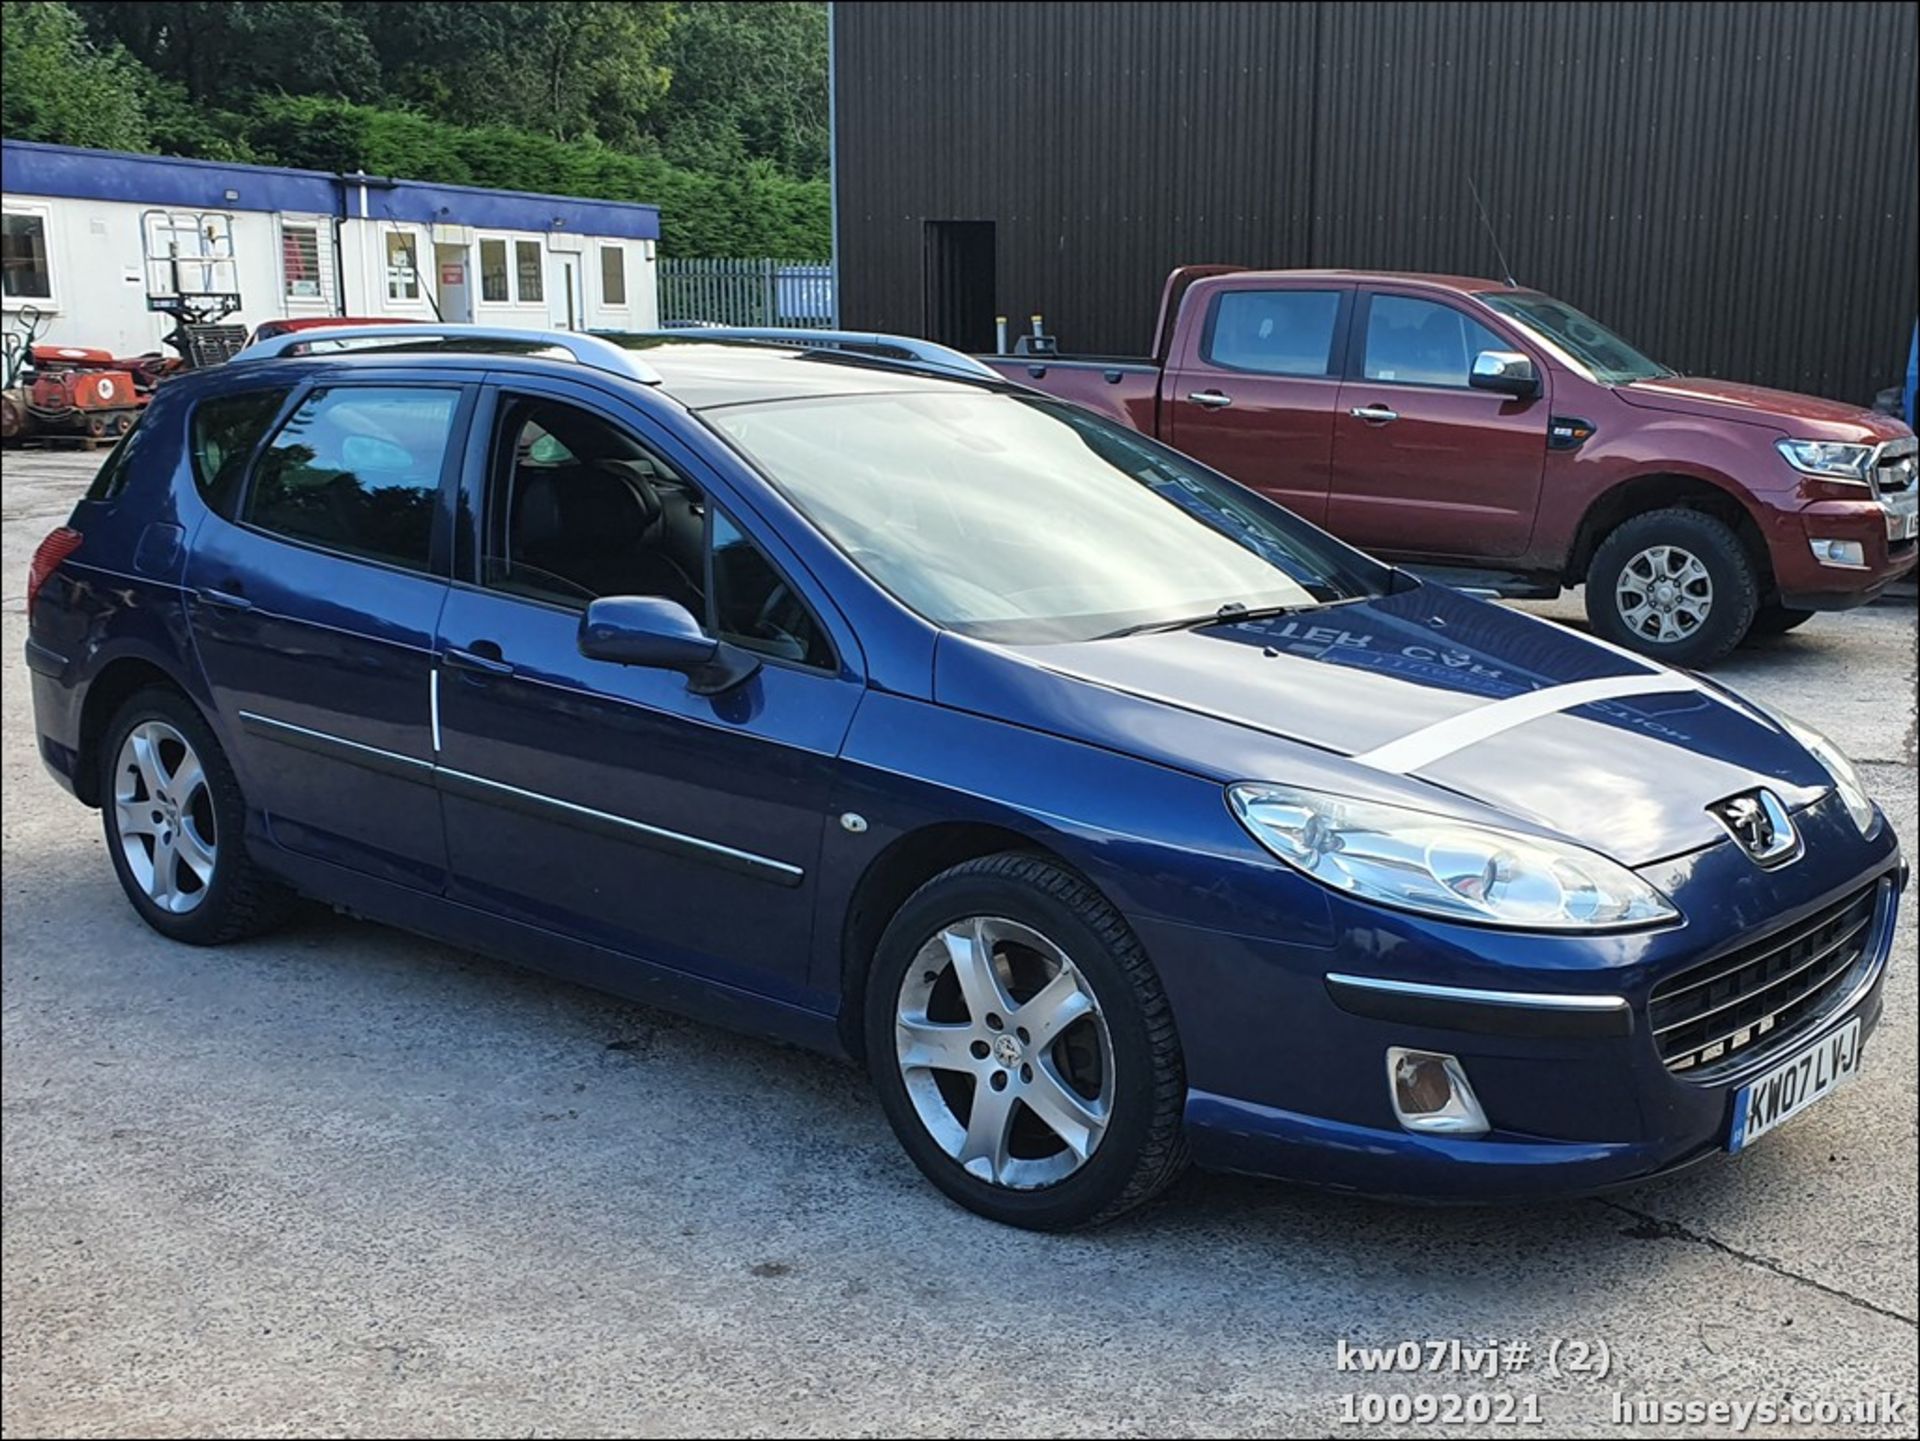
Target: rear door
[
  {"x": 1251, "y": 389},
  {"x": 314, "y": 590},
  {"x": 1423, "y": 464}
]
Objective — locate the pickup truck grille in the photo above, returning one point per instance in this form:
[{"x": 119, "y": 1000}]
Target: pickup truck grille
[
  {"x": 1896, "y": 475},
  {"x": 1763, "y": 992}
]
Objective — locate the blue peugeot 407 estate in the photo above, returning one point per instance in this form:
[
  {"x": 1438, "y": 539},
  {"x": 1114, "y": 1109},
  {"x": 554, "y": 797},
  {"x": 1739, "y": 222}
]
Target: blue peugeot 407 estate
[{"x": 1108, "y": 813}]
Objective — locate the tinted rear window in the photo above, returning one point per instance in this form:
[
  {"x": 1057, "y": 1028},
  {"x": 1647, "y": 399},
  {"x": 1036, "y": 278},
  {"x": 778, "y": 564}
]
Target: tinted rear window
[
  {"x": 225, "y": 431},
  {"x": 1274, "y": 332},
  {"x": 357, "y": 469}
]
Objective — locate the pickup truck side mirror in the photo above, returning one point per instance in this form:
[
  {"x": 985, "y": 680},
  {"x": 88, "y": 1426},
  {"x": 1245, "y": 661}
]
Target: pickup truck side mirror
[
  {"x": 649, "y": 630},
  {"x": 1507, "y": 372}
]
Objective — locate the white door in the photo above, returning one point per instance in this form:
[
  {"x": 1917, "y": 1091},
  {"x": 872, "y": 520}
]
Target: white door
[{"x": 563, "y": 294}]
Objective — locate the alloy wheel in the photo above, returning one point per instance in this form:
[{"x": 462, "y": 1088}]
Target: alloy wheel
[
  {"x": 1664, "y": 593},
  {"x": 163, "y": 816},
  {"x": 1005, "y": 1052}
]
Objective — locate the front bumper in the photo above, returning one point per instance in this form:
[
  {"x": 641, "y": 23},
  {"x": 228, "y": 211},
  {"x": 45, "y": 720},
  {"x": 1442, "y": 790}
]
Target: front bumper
[
  {"x": 1585, "y": 1110},
  {"x": 1805, "y": 583}
]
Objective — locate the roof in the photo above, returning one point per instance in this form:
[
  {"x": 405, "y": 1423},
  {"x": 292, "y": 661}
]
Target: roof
[
  {"x": 73, "y": 172},
  {"x": 705, "y": 373},
  {"x": 1458, "y": 284},
  {"x": 699, "y": 374}
]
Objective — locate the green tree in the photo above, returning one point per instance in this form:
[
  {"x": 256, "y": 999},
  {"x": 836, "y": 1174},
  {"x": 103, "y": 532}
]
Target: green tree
[
  {"x": 56, "y": 85},
  {"x": 223, "y": 51},
  {"x": 749, "y": 83}
]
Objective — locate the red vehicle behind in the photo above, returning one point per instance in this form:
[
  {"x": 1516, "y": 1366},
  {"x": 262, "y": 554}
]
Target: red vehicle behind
[{"x": 1505, "y": 442}]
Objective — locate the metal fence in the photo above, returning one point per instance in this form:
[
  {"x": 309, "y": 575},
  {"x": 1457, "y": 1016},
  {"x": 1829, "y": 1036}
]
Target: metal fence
[{"x": 746, "y": 292}]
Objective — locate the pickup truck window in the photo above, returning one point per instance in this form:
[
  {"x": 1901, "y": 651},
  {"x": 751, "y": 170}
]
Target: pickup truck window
[
  {"x": 1612, "y": 360},
  {"x": 1272, "y": 332},
  {"x": 1025, "y": 521},
  {"x": 1422, "y": 342}
]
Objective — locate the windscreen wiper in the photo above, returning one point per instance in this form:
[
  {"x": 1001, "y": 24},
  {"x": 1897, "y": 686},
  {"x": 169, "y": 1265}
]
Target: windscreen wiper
[{"x": 1232, "y": 613}]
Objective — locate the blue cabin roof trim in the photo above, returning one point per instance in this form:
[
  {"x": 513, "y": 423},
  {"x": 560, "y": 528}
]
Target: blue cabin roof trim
[{"x": 68, "y": 171}]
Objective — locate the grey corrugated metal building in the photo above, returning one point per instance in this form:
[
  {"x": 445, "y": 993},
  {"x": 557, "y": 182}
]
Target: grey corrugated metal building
[{"x": 1731, "y": 185}]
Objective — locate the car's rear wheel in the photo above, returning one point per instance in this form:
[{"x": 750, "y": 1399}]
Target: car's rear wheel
[
  {"x": 1677, "y": 585},
  {"x": 1023, "y": 1048},
  {"x": 174, "y": 820}
]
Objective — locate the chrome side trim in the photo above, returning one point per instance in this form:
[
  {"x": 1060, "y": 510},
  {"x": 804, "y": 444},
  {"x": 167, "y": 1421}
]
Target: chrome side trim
[
  {"x": 1443, "y": 738},
  {"x": 1530, "y": 1000},
  {"x": 544, "y": 807},
  {"x": 339, "y": 748},
  {"x": 617, "y": 827},
  {"x": 433, "y": 705}
]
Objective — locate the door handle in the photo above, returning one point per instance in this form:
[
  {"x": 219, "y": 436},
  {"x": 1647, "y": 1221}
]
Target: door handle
[
  {"x": 1211, "y": 399},
  {"x": 477, "y": 660},
  {"x": 225, "y": 599},
  {"x": 1374, "y": 414}
]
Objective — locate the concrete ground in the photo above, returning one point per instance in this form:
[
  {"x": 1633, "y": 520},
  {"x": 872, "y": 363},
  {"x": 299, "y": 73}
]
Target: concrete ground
[{"x": 343, "y": 1180}]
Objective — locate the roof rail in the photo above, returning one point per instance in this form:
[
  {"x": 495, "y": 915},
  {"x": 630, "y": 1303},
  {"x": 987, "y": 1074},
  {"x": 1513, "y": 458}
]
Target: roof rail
[
  {"x": 588, "y": 350},
  {"x": 925, "y": 354}
]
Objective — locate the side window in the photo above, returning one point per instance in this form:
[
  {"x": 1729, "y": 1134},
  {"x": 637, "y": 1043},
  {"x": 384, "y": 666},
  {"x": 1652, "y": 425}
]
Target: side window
[
  {"x": 1273, "y": 332},
  {"x": 754, "y": 607},
  {"x": 357, "y": 469},
  {"x": 493, "y": 270},
  {"x": 225, "y": 431},
  {"x": 579, "y": 509},
  {"x": 112, "y": 477},
  {"x": 1422, "y": 342}
]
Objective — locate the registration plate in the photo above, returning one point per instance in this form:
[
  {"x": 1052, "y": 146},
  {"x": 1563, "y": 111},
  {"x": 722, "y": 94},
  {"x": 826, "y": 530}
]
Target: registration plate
[
  {"x": 1793, "y": 1085},
  {"x": 1903, "y": 526}
]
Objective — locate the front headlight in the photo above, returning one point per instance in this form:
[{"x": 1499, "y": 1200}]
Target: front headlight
[
  {"x": 1829, "y": 459},
  {"x": 1416, "y": 861},
  {"x": 1833, "y": 760}
]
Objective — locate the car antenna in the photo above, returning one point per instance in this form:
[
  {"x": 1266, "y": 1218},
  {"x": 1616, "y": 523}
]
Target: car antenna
[{"x": 1506, "y": 270}]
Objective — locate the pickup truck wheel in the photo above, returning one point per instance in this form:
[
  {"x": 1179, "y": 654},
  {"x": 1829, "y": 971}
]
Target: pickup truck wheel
[
  {"x": 1677, "y": 585},
  {"x": 1774, "y": 618}
]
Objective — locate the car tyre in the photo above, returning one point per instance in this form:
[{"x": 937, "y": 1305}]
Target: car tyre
[
  {"x": 175, "y": 824},
  {"x": 1010, "y": 980},
  {"x": 1677, "y": 585}
]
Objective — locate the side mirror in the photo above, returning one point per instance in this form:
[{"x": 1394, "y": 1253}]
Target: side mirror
[
  {"x": 1506, "y": 372},
  {"x": 662, "y": 634}
]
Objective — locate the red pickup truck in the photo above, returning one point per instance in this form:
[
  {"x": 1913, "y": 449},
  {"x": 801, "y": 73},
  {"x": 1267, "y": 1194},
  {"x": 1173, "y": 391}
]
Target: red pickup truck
[{"x": 1504, "y": 442}]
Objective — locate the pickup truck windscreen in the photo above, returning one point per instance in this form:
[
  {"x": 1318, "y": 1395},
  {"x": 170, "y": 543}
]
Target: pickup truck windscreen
[
  {"x": 1021, "y": 520},
  {"x": 1611, "y": 360}
]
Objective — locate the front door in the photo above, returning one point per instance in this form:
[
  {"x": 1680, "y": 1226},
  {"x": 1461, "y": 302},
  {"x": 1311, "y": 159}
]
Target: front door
[
  {"x": 609, "y": 802},
  {"x": 314, "y": 611},
  {"x": 1253, "y": 394},
  {"x": 1422, "y": 463}
]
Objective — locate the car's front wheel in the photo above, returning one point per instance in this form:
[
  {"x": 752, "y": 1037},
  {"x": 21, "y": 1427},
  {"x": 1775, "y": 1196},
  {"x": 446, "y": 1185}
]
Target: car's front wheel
[
  {"x": 1677, "y": 585},
  {"x": 174, "y": 818},
  {"x": 1023, "y": 1048}
]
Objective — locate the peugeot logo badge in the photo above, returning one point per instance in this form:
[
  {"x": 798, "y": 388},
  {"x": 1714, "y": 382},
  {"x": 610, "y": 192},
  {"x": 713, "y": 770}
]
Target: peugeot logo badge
[{"x": 1761, "y": 824}]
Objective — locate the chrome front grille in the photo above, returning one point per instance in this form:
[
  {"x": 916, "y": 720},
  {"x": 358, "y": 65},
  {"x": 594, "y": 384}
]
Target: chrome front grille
[{"x": 1761, "y": 993}]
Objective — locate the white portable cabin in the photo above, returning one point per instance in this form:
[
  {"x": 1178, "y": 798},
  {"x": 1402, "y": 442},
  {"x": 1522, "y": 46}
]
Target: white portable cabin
[{"x": 94, "y": 238}]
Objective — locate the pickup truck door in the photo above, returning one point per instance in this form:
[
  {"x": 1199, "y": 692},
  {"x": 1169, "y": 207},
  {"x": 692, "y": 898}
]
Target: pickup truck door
[
  {"x": 1251, "y": 388},
  {"x": 1422, "y": 463}
]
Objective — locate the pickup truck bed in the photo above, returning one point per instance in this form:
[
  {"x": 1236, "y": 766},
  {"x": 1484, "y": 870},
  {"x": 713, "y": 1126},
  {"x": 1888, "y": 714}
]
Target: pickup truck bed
[{"x": 1128, "y": 389}]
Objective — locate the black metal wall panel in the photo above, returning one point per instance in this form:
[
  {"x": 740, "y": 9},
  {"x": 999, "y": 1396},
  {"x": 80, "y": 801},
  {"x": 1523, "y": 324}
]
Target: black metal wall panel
[{"x": 1732, "y": 185}]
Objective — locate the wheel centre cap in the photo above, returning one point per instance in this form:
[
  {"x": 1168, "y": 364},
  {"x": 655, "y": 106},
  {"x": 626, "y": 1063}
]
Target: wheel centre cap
[
  {"x": 1664, "y": 592},
  {"x": 1007, "y": 1050}
]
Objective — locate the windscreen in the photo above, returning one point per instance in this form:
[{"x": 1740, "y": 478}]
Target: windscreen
[
  {"x": 1611, "y": 360},
  {"x": 1023, "y": 520}
]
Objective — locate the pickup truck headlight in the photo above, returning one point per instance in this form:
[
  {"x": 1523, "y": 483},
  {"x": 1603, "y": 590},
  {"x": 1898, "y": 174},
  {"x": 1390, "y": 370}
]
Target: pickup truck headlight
[
  {"x": 1833, "y": 760},
  {"x": 1415, "y": 861},
  {"x": 1828, "y": 459}
]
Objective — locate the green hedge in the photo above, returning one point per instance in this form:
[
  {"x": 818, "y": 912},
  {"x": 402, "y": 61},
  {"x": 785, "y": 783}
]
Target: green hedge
[{"x": 753, "y": 211}]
